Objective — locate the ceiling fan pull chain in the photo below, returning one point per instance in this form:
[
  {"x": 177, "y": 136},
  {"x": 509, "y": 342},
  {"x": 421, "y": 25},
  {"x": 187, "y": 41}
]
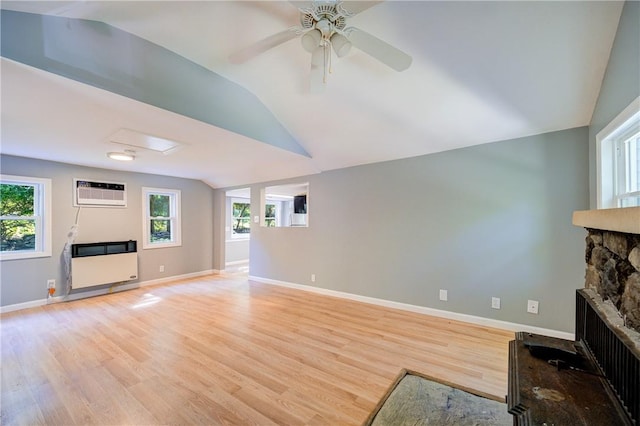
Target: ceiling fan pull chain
[
  {"x": 324, "y": 79},
  {"x": 329, "y": 49}
]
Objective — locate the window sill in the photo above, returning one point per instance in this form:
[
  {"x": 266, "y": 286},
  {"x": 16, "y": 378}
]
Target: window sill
[
  {"x": 238, "y": 239},
  {"x": 159, "y": 246},
  {"x": 20, "y": 256}
]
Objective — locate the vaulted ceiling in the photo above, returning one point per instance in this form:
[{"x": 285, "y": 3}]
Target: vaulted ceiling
[{"x": 481, "y": 72}]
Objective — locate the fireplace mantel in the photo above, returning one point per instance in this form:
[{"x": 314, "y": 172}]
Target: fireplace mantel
[
  {"x": 626, "y": 220},
  {"x": 613, "y": 258}
]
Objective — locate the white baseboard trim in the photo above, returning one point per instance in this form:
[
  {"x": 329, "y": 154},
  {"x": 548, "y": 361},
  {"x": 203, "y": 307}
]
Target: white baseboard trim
[
  {"x": 103, "y": 291},
  {"x": 179, "y": 277},
  {"x": 24, "y": 305},
  {"x": 237, "y": 262},
  {"x": 487, "y": 322}
]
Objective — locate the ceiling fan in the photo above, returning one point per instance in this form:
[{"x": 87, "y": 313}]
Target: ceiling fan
[{"x": 323, "y": 29}]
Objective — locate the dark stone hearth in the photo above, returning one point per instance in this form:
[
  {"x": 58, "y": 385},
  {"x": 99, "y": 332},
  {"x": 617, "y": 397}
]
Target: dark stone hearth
[
  {"x": 589, "y": 251},
  {"x": 596, "y": 238},
  {"x": 613, "y": 270},
  {"x": 634, "y": 258},
  {"x": 599, "y": 257},
  {"x": 610, "y": 286},
  {"x": 617, "y": 243},
  {"x": 593, "y": 280},
  {"x": 630, "y": 307},
  {"x": 624, "y": 269}
]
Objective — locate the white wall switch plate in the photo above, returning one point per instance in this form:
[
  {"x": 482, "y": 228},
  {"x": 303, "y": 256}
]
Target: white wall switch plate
[
  {"x": 495, "y": 302},
  {"x": 443, "y": 295},
  {"x": 532, "y": 306}
]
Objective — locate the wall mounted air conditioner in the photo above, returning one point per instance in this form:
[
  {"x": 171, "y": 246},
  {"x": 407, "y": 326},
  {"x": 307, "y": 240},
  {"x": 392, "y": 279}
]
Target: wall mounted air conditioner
[{"x": 93, "y": 193}]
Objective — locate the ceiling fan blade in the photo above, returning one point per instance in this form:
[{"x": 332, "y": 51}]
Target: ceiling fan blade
[
  {"x": 382, "y": 51},
  {"x": 264, "y": 45},
  {"x": 351, "y": 8},
  {"x": 316, "y": 82},
  {"x": 302, "y": 4}
]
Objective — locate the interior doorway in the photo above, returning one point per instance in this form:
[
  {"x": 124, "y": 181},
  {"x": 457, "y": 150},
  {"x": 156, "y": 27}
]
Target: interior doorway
[{"x": 237, "y": 230}]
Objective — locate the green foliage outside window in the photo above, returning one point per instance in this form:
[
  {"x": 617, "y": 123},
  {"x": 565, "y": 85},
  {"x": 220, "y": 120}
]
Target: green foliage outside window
[
  {"x": 241, "y": 218},
  {"x": 160, "y": 211},
  {"x": 270, "y": 215},
  {"x": 17, "y": 223}
]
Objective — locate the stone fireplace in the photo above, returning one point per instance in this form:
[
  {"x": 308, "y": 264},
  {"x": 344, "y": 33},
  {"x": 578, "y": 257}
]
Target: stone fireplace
[
  {"x": 596, "y": 378},
  {"x": 613, "y": 260},
  {"x": 608, "y": 308}
]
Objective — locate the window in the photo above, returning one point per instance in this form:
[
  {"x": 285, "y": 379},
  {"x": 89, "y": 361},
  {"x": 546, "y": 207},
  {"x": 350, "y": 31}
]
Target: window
[
  {"x": 618, "y": 163},
  {"x": 25, "y": 217},
  {"x": 628, "y": 168},
  {"x": 161, "y": 218},
  {"x": 241, "y": 216},
  {"x": 270, "y": 215}
]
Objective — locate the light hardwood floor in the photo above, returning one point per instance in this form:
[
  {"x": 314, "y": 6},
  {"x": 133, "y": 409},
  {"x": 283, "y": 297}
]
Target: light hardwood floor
[{"x": 224, "y": 350}]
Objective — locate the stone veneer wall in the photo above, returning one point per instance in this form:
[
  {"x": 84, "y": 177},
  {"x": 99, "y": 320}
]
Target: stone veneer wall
[{"x": 613, "y": 270}]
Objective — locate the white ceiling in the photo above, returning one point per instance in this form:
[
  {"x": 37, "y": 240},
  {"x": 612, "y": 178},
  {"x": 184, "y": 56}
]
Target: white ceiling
[{"x": 481, "y": 72}]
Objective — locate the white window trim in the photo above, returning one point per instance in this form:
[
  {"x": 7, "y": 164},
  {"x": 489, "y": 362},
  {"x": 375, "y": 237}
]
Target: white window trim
[
  {"x": 630, "y": 132},
  {"x": 278, "y": 213},
  {"x": 176, "y": 218},
  {"x": 43, "y": 225},
  {"x": 606, "y": 175}
]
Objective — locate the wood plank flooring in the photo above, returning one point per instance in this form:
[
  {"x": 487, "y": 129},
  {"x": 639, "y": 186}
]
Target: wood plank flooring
[{"x": 224, "y": 350}]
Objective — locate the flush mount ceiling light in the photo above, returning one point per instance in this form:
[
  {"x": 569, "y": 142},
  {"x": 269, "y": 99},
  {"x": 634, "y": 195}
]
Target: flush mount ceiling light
[{"x": 127, "y": 155}]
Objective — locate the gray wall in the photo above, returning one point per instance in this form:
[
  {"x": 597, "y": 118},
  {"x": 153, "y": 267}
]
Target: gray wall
[
  {"x": 489, "y": 220},
  {"x": 219, "y": 221},
  {"x": 25, "y": 280},
  {"x": 236, "y": 251},
  {"x": 621, "y": 83}
]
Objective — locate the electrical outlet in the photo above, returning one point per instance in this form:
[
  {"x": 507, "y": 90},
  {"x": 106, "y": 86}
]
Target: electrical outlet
[
  {"x": 51, "y": 283},
  {"x": 256, "y": 219},
  {"x": 495, "y": 302},
  {"x": 532, "y": 306},
  {"x": 161, "y": 268},
  {"x": 443, "y": 295},
  {"x": 313, "y": 278}
]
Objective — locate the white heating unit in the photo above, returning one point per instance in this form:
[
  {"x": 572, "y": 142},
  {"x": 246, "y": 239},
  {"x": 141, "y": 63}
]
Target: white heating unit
[{"x": 96, "y": 264}]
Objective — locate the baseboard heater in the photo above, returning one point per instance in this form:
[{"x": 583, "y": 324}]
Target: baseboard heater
[{"x": 94, "y": 264}]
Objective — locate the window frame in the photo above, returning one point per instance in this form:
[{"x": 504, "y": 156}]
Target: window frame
[
  {"x": 42, "y": 217},
  {"x": 609, "y": 173},
  {"x": 276, "y": 218},
  {"x": 625, "y": 157},
  {"x": 175, "y": 218},
  {"x": 236, "y": 200}
]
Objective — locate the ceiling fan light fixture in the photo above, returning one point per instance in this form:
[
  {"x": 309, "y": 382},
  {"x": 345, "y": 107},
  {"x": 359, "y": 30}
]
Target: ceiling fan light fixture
[
  {"x": 341, "y": 45},
  {"x": 121, "y": 156},
  {"x": 311, "y": 40}
]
